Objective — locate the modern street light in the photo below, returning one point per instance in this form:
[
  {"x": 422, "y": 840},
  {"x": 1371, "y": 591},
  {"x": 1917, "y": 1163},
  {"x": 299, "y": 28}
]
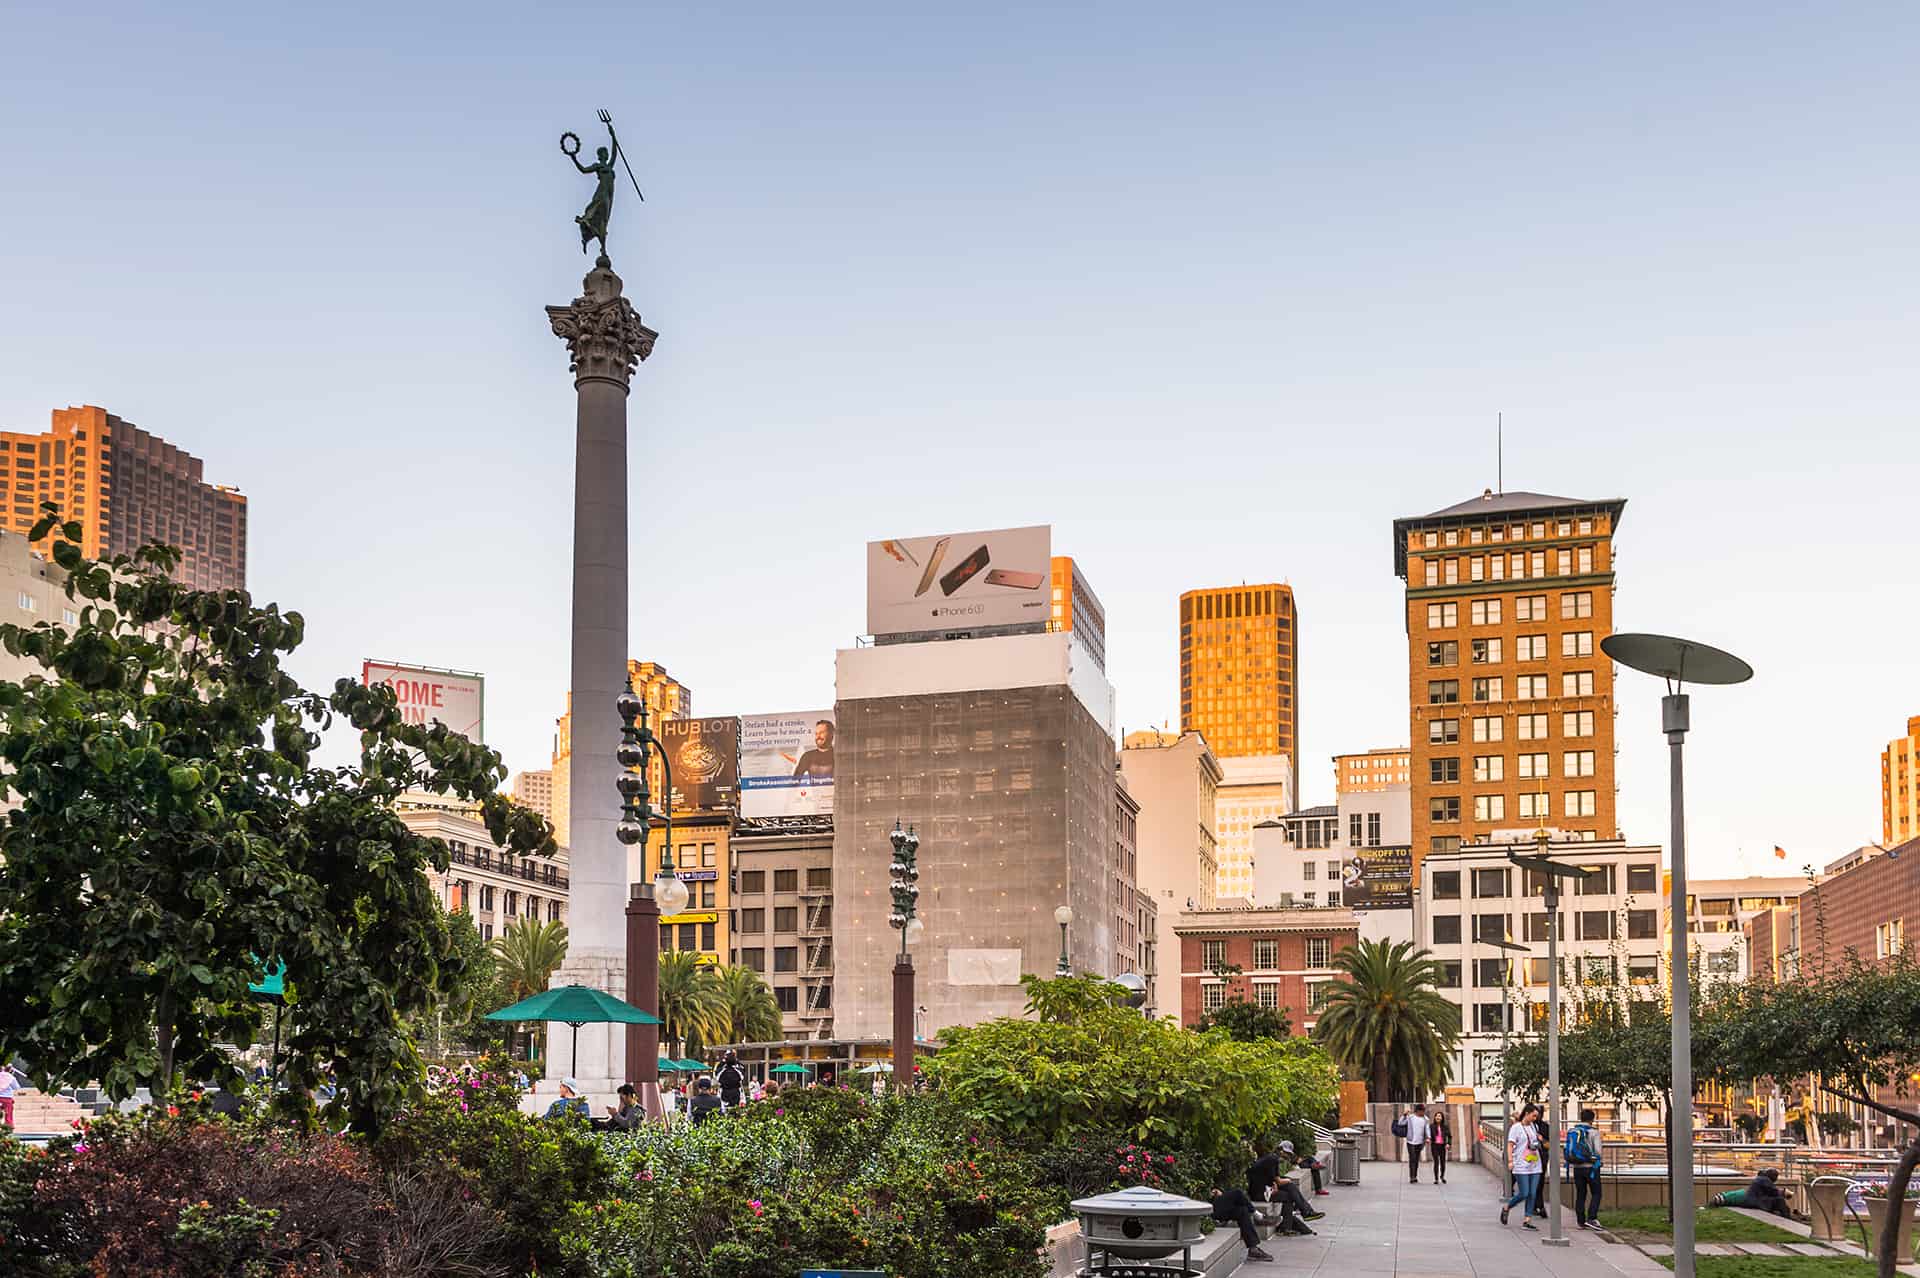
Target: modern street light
[
  {"x": 904, "y": 882},
  {"x": 1677, "y": 661},
  {"x": 1550, "y": 871},
  {"x": 1506, "y": 1025},
  {"x": 1064, "y": 917}
]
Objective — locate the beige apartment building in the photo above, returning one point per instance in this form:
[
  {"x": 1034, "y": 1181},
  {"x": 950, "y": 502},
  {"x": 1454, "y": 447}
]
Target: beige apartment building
[
  {"x": 1509, "y": 596},
  {"x": 666, "y": 698},
  {"x": 1371, "y": 772},
  {"x": 535, "y": 790},
  {"x": 32, "y": 590},
  {"x": 483, "y": 879},
  {"x": 1240, "y": 670},
  {"x": 783, "y": 917},
  {"x": 1176, "y": 781},
  {"x": 1900, "y": 787},
  {"x": 1254, "y": 789}
]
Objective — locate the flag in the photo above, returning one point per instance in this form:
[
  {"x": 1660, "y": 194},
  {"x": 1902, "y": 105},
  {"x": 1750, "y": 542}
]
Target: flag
[{"x": 1780, "y": 852}]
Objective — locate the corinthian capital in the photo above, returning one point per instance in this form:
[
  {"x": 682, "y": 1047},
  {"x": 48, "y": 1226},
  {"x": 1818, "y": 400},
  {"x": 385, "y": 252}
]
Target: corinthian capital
[{"x": 603, "y": 332}]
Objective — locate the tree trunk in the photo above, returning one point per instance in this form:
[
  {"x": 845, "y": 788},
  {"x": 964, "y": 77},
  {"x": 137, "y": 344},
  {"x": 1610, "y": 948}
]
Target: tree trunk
[
  {"x": 1380, "y": 1079},
  {"x": 163, "y": 1033},
  {"x": 1889, "y": 1257}
]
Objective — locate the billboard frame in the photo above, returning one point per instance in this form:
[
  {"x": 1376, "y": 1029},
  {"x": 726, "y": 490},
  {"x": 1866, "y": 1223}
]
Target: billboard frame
[{"x": 479, "y": 727}]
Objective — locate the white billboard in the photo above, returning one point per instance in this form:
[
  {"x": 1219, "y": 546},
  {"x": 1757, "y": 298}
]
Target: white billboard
[
  {"x": 453, "y": 697},
  {"x": 786, "y": 764},
  {"x": 959, "y": 581}
]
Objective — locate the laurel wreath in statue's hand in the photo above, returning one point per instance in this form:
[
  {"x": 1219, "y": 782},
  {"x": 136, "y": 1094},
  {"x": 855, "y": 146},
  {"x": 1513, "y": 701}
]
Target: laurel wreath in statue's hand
[{"x": 570, "y": 137}]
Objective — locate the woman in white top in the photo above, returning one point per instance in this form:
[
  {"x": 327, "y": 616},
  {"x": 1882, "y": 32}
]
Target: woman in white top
[{"x": 1524, "y": 1153}]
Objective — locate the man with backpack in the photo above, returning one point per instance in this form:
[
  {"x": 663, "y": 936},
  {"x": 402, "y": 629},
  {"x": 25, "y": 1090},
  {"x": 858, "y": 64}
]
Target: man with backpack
[
  {"x": 1411, "y": 1127},
  {"x": 1582, "y": 1152},
  {"x": 733, "y": 1081}
]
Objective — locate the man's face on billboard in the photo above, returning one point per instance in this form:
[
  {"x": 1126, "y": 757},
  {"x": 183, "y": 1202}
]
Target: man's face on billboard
[{"x": 823, "y": 735}]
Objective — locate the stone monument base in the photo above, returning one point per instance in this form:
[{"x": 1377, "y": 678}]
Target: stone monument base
[{"x": 602, "y": 1064}]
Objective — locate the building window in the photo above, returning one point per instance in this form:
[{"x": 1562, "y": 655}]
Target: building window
[
  {"x": 1490, "y": 973},
  {"x": 753, "y": 920},
  {"x": 1642, "y": 878},
  {"x": 1490, "y": 883},
  {"x": 1642, "y": 970},
  {"x": 1598, "y": 883},
  {"x": 1333, "y": 873},
  {"x": 1354, "y": 831},
  {"x": 1492, "y": 927},
  {"x": 1308, "y": 870},
  {"x": 1578, "y": 763},
  {"x": 1266, "y": 954},
  {"x": 1489, "y": 807},
  {"x": 820, "y": 876},
  {"x": 1531, "y": 727},
  {"x": 1441, "y": 771},
  {"x": 1484, "y": 612},
  {"x": 786, "y": 998},
  {"x": 1308, "y": 899},
  {"x": 1449, "y": 976},
  {"x": 1446, "y": 885},
  {"x": 1484, "y": 651},
  {"x": 707, "y": 940},
  {"x": 1488, "y": 689},
  {"x": 1443, "y": 616},
  {"x": 755, "y": 959},
  {"x": 1889, "y": 938},
  {"x": 1535, "y": 807},
  {"x": 1477, "y": 568},
  {"x": 1489, "y": 1017},
  {"x": 1373, "y": 829},
  {"x": 1453, "y": 536},
  {"x": 1444, "y": 654},
  {"x": 1430, "y": 539},
  {"x": 1575, "y": 604},
  {"x": 1319, "y": 951},
  {"x": 1317, "y": 995},
  {"x": 1213, "y": 996},
  {"x": 1530, "y": 608},
  {"x": 1584, "y": 555},
  {"x": 1576, "y": 683},
  {"x": 1576, "y": 643},
  {"x": 1444, "y": 809},
  {"x": 1563, "y": 563},
  {"x": 1530, "y": 766},
  {"x": 1443, "y": 731},
  {"x": 1333, "y": 899},
  {"x": 786, "y": 880},
  {"x": 786, "y": 918},
  {"x": 1536, "y": 924},
  {"x": 1643, "y": 925},
  {"x": 1487, "y": 728},
  {"x": 1443, "y": 843},
  {"x": 786, "y": 958},
  {"x": 1433, "y": 571},
  {"x": 1446, "y": 929},
  {"x": 1580, "y": 803},
  {"x": 1267, "y": 995},
  {"x": 1594, "y": 925},
  {"x": 753, "y": 881},
  {"x": 1577, "y": 723},
  {"x": 28, "y": 603},
  {"x": 1442, "y": 692},
  {"x": 1489, "y": 767},
  {"x": 1537, "y": 563},
  {"x": 1213, "y": 955},
  {"x": 1530, "y": 687},
  {"x": 1530, "y": 648}
]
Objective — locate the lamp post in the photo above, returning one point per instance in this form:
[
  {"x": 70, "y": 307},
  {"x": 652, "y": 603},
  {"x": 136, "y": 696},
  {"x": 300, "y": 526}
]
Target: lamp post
[
  {"x": 1506, "y": 1024},
  {"x": 1676, "y": 661},
  {"x": 647, "y": 902},
  {"x": 1064, "y": 917},
  {"x": 1550, "y": 872},
  {"x": 904, "y": 882}
]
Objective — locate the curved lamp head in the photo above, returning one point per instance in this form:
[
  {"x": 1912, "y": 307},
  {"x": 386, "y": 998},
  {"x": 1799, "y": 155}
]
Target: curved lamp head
[
  {"x": 1676, "y": 660},
  {"x": 670, "y": 892},
  {"x": 1063, "y": 915}
]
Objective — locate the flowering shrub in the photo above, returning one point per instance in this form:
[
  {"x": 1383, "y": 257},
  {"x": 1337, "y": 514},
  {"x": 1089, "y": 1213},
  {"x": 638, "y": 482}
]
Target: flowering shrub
[{"x": 1100, "y": 1160}]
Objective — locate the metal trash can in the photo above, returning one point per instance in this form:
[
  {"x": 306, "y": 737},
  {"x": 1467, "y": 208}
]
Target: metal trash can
[
  {"x": 1346, "y": 1157},
  {"x": 1369, "y": 1151}
]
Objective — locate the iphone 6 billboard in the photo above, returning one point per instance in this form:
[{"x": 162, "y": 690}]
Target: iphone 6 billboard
[{"x": 960, "y": 581}]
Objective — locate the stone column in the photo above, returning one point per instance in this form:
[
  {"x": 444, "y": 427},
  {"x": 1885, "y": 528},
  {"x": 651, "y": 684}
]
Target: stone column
[{"x": 605, "y": 339}]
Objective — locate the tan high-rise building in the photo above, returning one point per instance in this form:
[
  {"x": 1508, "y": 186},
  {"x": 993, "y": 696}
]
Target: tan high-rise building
[
  {"x": 1508, "y": 598},
  {"x": 1076, "y": 608},
  {"x": 666, "y": 698},
  {"x": 126, "y": 488},
  {"x": 1373, "y": 772},
  {"x": 535, "y": 790},
  {"x": 1240, "y": 671},
  {"x": 1900, "y": 787}
]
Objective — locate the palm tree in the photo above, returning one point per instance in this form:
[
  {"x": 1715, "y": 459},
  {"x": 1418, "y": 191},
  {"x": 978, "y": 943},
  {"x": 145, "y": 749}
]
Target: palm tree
[
  {"x": 1384, "y": 1020},
  {"x": 751, "y": 1014},
  {"x": 526, "y": 956},
  {"x": 691, "y": 1005}
]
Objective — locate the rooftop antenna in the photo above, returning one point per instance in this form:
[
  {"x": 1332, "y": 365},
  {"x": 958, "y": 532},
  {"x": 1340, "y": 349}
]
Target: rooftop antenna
[{"x": 1500, "y": 453}]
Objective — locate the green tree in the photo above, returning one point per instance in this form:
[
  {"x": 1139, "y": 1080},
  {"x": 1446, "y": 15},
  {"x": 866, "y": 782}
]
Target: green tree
[
  {"x": 692, "y": 1009},
  {"x": 1246, "y": 1023},
  {"x": 1068, "y": 998},
  {"x": 172, "y": 834},
  {"x": 526, "y": 954},
  {"x": 456, "y": 1016},
  {"x": 750, "y": 1012},
  {"x": 1384, "y": 1021}
]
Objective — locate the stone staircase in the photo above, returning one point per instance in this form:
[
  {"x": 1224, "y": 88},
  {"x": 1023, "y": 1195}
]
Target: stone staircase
[{"x": 35, "y": 1113}]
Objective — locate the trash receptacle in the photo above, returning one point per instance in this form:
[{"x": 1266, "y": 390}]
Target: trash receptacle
[
  {"x": 1364, "y": 1135},
  {"x": 1346, "y": 1156}
]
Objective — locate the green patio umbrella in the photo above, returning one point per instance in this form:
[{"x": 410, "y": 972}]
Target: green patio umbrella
[
  {"x": 690, "y": 1064},
  {"x": 271, "y": 987},
  {"x": 668, "y": 1065},
  {"x": 789, "y": 1069},
  {"x": 575, "y": 1005}
]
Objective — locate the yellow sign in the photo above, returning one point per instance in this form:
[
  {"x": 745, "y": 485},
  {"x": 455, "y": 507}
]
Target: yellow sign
[{"x": 710, "y": 916}]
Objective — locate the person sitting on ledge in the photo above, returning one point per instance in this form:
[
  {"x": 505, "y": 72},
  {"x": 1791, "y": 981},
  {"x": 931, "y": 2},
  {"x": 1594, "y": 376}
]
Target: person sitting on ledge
[
  {"x": 1266, "y": 1184},
  {"x": 1233, "y": 1207},
  {"x": 570, "y": 1102}
]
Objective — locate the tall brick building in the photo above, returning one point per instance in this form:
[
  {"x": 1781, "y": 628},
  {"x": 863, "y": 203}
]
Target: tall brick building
[
  {"x": 127, "y": 488},
  {"x": 1508, "y": 598}
]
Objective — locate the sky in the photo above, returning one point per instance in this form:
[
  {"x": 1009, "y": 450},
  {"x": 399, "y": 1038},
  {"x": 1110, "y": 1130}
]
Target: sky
[{"x": 1217, "y": 291}]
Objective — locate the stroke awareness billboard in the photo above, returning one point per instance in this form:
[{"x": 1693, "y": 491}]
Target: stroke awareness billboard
[
  {"x": 964, "y": 580},
  {"x": 453, "y": 697},
  {"x": 786, "y": 764}
]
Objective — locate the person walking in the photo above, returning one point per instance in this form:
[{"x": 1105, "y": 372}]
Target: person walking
[
  {"x": 704, "y": 1104},
  {"x": 9, "y": 1087},
  {"x": 1538, "y": 1207},
  {"x": 732, "y": 1078},
  {"x": 1438, "y": 1140},
  {"x": 1414, "y": 1129},
  {"x": 1523, "y": 1154},
  {"x": 1583, "y": 1156}
]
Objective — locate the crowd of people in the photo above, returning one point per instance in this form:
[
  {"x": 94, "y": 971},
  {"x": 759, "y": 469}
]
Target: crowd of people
[{"x": 726, "y": 1091}]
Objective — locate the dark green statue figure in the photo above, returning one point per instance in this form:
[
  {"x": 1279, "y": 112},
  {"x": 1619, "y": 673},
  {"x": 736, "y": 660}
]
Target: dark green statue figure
[{"x": 593, "y": 222}]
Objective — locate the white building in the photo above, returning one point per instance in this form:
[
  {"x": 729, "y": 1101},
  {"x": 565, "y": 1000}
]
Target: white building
[
  {"x": 1718, "y": 911},
  {"x": 1300, "y": 858},
  {"x": 482, "y": 878},
  {"x": 32, "y": 590},
  {"x": 1252, "y": 789}
]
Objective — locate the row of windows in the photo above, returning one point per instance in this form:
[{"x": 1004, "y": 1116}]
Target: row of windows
[
  {"x": 1266, "y": 954},
  {"x": 1589, "y": 925},
  {"x": 1499, "y": 974},
  {"x": 1584, "y": 526},
  {"x": 1574, "y": 724},
  {"x": 1566, "y": 562},
  {"x": 1493, "y": 767},
  {"x": 1495, "y": 881},
  {"x": 818, "y": 876},
  {"x": 786, "y": 918},
  {"x": 1482, "y": 652},
  {"x": 1213, "y": 995},
  {"x": 1574, "y": 606},
  {"x": 1445, "y": 809},
  {"x": 1446, "y": 692}
]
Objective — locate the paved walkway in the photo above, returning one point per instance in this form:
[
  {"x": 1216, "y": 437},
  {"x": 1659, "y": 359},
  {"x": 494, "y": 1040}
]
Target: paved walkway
[{"x": 1384, "y": 1226}]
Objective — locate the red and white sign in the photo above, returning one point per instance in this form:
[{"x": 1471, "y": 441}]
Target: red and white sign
[{"x": 427, "y": 695}]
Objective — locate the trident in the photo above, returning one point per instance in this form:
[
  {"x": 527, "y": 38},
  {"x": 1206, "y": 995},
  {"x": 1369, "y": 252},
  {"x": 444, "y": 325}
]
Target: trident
[{"x": 607, "y": 120}]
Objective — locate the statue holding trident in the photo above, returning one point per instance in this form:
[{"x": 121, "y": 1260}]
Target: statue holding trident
[{"x": 599, "y": 211}]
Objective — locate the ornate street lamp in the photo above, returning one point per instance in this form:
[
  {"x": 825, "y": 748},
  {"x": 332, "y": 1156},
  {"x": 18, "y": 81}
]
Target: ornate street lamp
[
  {"x": 1064, "y": 917},
  {"x": 636, "y": 812},
  {"x": 904, "y": 880}
]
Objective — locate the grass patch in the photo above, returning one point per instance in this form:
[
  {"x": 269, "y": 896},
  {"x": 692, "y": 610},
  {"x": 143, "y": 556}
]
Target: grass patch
[
  {"x": 1650, "y": 1224},
  {"x": 1857, "y": 1235},
  {"x": 1778, "y": 1267}
]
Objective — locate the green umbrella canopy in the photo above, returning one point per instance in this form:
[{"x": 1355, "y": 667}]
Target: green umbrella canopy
[
  {"x": 670, "y": 1066},
  {"x": 689, "y": 1064},
  {"x": 272, "y": 984},
  {"x": 575, "y": 1005},
  {"x": 789, "y": 1069}
]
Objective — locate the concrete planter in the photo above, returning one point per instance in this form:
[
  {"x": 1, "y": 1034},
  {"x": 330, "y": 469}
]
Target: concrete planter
[
  {"x": 1877, "y": 1209},
  {"x": 1827, "y": 1209}
]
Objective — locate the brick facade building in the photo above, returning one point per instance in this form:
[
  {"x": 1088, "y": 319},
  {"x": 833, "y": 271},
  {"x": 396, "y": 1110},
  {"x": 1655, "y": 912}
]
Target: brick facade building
[{"x": 1284, "y": 955}]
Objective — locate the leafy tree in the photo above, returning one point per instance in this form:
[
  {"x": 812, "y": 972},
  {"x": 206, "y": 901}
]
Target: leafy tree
[
  {"x": 458, "y": 1015},
  {"x": 1385, "y": 1021},
  {"x": 1245, "y": 1022},
  {"x": 751, "y": 1014},
  {"x": 526, "y": 954},
  {"x": 172, "y": 833},
  {"x": 691, "y": 1005},
  {"x": 1068, "y": 998},
  {"x": 1854, "y": 1025},
  {"x": 1108, "y": 1066}
]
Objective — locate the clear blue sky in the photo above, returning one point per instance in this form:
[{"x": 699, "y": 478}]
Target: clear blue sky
[{"x": 1217, "y": 291}]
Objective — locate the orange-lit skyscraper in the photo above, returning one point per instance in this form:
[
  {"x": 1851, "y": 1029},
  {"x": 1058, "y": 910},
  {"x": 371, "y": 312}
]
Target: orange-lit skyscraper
[
  {"x": 1240, "y": 670},
  {"x": 126, "y": 488},
  {"x": 1900, "y": 787}
]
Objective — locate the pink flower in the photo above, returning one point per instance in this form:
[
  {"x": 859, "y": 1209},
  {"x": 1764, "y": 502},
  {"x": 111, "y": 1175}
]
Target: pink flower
[
  {"x": 1169, "y": 1160},
  {"x": 757, "y": 1209}
]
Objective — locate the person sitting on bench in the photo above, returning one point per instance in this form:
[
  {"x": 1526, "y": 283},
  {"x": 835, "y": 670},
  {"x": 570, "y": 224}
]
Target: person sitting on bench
[
  {"x": 1266, "y": 1184},
  {"x": 1308, "y": 1161}
]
